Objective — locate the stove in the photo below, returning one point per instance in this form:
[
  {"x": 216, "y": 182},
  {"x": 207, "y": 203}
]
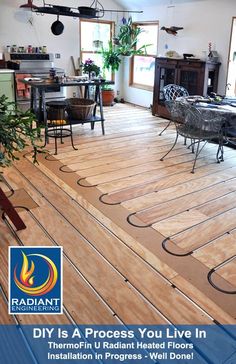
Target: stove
[{"x": 32, "y": 65}]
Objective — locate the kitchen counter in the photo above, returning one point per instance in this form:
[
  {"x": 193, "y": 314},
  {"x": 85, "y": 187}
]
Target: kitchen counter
[
  {"x": 6, "y": 70},
  {"x": 39, "y": 71}
]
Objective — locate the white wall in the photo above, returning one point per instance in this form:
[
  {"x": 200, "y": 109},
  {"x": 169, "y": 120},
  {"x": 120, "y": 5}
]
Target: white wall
[
  {"x": 204, "y": 21},
  {"x": 16, "y": 28}
]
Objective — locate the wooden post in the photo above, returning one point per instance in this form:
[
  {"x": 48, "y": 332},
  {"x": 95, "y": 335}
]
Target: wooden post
[{"x": 7, "y": 207}]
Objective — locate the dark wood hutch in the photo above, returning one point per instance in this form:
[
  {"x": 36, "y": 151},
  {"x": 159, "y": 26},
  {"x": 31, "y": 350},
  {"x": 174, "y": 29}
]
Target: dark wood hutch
[{"x": 198, "y": 77}]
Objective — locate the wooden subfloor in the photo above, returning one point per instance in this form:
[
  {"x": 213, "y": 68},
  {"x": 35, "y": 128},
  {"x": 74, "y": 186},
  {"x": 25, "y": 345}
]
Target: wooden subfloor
[{"x": 140, "y": 236}]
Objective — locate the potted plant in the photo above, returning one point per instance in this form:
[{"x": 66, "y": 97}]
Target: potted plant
[
  {"x": 108, "y": 95},
  {"x": 111, "y": 62},
  {"x": 89, "y": 67},
  {"x": 124, "y": 44},
  {"x": 111, "y": 58},
  {"x": 16, "y": 132},
  {"x": 127, "y": 40}
]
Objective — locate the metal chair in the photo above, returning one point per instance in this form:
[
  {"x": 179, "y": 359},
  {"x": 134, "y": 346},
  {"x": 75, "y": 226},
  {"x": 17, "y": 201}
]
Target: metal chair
[
  {"x": 191, "y": 123},
  {"x": 171, "y": 92}
]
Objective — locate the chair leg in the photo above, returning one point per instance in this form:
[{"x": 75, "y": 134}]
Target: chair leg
[
  {"x": 196, "y": 155},
  {"x": 176, "y": 138},
  {"x": 71, "y": 138},
  {"x": 167, "y": 126},
  {"x": 198, "y": 151},
  {"x": 220, "y": 151},
  {"x": 191, "y": 145}
]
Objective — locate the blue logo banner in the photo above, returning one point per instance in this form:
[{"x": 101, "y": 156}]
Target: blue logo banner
[
  {"x": 35, "y": 280},
  {"x": 69, "y": 344}
]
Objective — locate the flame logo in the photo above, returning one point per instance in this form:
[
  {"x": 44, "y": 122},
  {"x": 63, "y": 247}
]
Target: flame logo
[{"x": 26, "y": 282}]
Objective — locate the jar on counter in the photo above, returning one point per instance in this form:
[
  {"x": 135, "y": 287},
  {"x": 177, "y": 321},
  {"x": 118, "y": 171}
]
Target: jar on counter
[
  {"x": 30, "y": 49},
  {"x": 14, "y": 48},
  {"x": 8, "y": 48},
  {"x": 44, "y": 49},
  {"x": 21, "y": 49},
  {"x": 52, "y": 74}
]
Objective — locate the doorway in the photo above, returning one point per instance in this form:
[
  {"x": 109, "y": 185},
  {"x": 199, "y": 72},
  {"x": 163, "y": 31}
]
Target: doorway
[{"x": 231, "y": 77}]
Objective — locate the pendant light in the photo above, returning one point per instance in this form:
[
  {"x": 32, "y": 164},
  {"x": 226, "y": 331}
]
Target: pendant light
[{"x": 29, "y": 5}]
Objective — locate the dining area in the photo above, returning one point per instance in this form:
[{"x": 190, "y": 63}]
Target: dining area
[{"x": 199, "y": 120}]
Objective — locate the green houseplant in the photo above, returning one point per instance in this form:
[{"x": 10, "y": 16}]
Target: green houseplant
[
  {"x": 89, "y": 66},
  {"x": 16, "y": 132},
  {"x": 111, "y": 58},
  {"x": 124, "y": 44},
  {"x": 127, "y": 39}
]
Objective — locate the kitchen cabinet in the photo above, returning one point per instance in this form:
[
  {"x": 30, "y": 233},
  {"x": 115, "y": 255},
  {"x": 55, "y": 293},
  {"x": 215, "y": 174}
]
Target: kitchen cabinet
[
  {"x": 198, "y": 77},
  {"x": 7, "y": 84}
]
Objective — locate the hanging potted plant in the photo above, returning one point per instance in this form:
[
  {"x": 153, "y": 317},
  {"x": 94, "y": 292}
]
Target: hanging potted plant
[
  {"x": 127, "y": 40},
  {"x": 111, "y": 58},
  {"x": 124, "y": 44},
  {"x": 111, "y": 62}
]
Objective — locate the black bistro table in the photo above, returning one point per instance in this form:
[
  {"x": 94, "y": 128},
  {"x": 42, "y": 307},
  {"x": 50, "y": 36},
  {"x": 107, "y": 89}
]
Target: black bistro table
[{"x": 38, "y": 98}]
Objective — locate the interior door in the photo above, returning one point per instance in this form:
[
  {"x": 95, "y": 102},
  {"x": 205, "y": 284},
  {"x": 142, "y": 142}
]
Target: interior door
[{"x": 231, "y": 77}]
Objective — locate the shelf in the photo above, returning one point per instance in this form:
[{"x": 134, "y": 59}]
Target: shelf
[{"x": 90, "y": 120}]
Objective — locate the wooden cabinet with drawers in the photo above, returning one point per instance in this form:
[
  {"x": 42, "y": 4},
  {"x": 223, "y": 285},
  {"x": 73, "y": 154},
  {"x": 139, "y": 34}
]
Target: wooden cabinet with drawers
[{"x": 198, "y": 77}]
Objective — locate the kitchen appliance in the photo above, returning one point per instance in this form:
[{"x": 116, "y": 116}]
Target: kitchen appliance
[{"x": 36, "y": 65}]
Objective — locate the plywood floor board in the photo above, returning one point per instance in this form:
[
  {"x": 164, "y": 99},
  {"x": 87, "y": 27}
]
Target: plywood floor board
[
  {"x": 138, "y": 271},
  {"x": 184, "y": 189},
  {"x": 206, "y": 231},
  {"x": 129, "y": 193},
  {"x": 160, "y": 252},
  {"x": 187, "y": 201},
  {"x": 224, "y": 248}
]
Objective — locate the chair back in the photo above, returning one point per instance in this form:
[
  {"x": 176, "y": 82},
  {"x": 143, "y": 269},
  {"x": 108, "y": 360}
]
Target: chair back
[
  {"x": 172, "y": 91},
  {"x": 178, "y": 110},
  {"x": 199, "y": 124}
]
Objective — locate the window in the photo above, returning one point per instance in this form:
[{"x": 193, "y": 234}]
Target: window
[
  {"x": 143, "y": 67},
  {"x": 94, "y": 35}
]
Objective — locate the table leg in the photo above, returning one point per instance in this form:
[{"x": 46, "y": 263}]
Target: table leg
[
  {"x": 44, "y": 114},
  {"x": 101, "y": 108},
  {"x": 32, "y": 99}
]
